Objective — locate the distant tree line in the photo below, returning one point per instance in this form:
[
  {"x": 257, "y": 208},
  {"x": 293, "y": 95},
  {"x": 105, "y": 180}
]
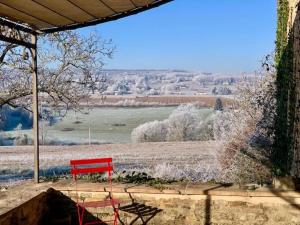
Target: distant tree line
[{"x": 221, "y": 91}]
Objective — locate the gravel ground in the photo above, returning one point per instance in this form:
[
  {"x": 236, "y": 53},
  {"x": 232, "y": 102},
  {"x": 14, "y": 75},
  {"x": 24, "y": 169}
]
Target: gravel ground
[{"x": 170, "y": 160}]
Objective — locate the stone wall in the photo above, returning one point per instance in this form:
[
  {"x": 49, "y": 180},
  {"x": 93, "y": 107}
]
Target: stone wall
[
  {"x": 214, "y": 210},
  {"x": 171, "y": 205},
  {"x": 176, "y": 209}
]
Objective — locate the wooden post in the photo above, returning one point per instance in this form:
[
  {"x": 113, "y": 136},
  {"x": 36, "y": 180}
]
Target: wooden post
[{"x": 35, "y": 108}]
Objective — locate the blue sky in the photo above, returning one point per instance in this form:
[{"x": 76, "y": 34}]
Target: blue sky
[{"x": 228, "y": 36}]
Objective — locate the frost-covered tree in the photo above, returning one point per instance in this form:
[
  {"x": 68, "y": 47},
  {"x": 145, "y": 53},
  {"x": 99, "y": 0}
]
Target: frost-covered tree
[
  {"x": 67, "y": 65},
  {"x": 218, "y": 105},
  {"x": 214, "y": 91}
]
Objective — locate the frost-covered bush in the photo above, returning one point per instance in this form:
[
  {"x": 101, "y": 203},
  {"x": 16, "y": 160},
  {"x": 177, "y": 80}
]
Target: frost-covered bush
[
  {"x": 183, "y": 123},
  {"x": 247, "y": 166},
  {"x": 120, "y": 87},
  {"x": 247, "y": 132},
  {"x": 167, "y": 171},
  {"x": 205, "y": 131},
  {"x": 155, "y": 131},
  {"x": 153, "y": 92},
  {"x": 23, "y": 140},
  {"x": 199, "y": 172},
  {"x": 186, "y": 123},
  {"x": 223, "y": 125}
]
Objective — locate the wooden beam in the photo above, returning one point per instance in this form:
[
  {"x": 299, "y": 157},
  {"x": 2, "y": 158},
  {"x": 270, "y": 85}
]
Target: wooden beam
[
  {"x": 16, "y": 41},
  {"x": 16, "y": 26},
  {"x": 35, "y": 108}
]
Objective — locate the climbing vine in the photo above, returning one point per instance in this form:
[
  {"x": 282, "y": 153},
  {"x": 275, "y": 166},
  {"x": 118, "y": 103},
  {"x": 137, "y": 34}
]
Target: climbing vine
[
  {"x": 283, "y": 147},
  {"x": 282, "y": 28}
]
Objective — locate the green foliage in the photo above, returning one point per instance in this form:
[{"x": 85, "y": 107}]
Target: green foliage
[
  {"x": 282, "y": 29},
  {"x": 283, "y": 146},
  {"x": 133, "y": 177},
  {"x": 53, "y": 176},
  {"x": 141, "y": 178}
]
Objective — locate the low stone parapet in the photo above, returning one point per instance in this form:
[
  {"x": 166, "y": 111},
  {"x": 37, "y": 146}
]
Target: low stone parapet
[{"x": 169, "y": 204}]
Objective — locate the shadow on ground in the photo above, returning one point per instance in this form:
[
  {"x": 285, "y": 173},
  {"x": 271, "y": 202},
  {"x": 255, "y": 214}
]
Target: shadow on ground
[{"x": 143, "y": 213}]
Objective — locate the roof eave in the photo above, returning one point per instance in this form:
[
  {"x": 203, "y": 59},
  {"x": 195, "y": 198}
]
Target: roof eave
[{"x": 32, "y": 30}]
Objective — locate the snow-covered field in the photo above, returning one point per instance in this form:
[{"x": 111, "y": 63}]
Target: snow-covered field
[
  {"x": 107, "y": 125},
  {"x": 171, "y": 160},
  {"x": 101, "y": 125}
]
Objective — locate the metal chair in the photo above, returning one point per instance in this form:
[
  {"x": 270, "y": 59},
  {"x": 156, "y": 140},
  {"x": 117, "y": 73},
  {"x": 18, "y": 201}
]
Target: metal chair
[{"x": 90, "y": 166}]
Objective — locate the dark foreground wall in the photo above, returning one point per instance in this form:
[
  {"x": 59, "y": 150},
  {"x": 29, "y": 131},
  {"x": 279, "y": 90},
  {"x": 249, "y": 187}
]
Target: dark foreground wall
[{"x": 47, "y": 208}]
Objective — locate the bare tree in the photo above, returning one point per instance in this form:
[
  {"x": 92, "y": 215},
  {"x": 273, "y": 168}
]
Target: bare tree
[{"x": 68, "y": 68}]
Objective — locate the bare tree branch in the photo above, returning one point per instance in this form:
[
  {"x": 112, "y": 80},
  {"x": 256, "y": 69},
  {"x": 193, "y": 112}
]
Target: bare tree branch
[{"x": 69, "y": 68}]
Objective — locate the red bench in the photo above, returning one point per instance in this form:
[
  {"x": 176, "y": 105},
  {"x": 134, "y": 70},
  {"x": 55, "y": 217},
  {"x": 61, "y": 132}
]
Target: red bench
[{"x": 89, "y": 166}]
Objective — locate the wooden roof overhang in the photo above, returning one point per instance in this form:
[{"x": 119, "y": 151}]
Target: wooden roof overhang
[{"x": 49, "y": 16}]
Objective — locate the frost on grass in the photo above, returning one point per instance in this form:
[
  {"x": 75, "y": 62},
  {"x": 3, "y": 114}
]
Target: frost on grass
[
  {"x": 169, "y": 161},
  {"x": 197, "y": 172}
]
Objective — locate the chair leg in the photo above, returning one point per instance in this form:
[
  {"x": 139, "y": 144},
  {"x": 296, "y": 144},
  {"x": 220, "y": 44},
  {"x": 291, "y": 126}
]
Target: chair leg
[
  {"x": 116, "y": 215},
  {"x": 80, "y": 215}
]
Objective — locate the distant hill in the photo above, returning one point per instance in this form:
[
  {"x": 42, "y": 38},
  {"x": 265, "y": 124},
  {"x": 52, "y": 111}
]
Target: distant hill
[{"x": 169, "y": 82}]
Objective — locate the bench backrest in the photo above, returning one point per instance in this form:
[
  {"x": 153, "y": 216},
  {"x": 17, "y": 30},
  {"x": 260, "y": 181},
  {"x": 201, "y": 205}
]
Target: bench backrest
[{"x": 98, "y": 165}]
